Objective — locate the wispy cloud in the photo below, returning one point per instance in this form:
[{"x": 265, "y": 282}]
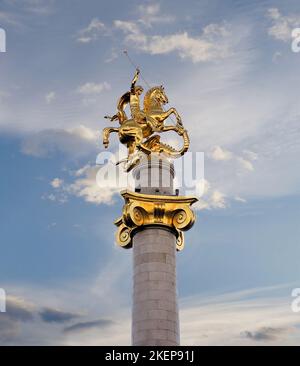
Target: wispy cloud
[
  {"x": 212, "y": 44},
  {"x": 90, "y": 91},
  {"x": 92, "y": 32},
  {"x": 239, "y": 318},
  {"x": 212, "y": 198},
  {"x": 76, "y": 141},
  {"x": 50, "y": 97},
  {"x": 19, "y": 309},
  {"x": 220, "y": 154},
  {"x": 282, "y": 25},
  {"x": 93, "y": 88},
  {"x": 249, "y": 317},
  {"x": 50, "y": 315},
  {"x": 56, "y": 182},
  {"x": 266, "y": 334},
  {"x": 85, "y": 186},
  {"x": 102, "y": 307},
  {"x": 86, "y": 326},
  {"x": 36, "y": 7},
  {"x": 151, "y": 14}
]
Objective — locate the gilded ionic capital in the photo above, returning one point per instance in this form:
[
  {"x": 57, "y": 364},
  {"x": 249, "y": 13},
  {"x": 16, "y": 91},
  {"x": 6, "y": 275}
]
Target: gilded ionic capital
[{"x": 142, "y": 210}]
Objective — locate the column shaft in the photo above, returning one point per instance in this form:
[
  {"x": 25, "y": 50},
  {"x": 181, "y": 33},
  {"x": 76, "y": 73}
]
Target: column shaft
[{"x": 155, "y": 312}]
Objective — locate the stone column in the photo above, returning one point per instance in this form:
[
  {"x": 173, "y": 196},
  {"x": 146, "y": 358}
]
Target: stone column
[
  {"x": 155, "y": 311},
  {"x": 153, "y": 221}
]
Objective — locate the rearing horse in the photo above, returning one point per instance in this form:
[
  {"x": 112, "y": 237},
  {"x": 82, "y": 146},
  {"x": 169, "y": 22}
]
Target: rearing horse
[{"x": 133, "y": 133}]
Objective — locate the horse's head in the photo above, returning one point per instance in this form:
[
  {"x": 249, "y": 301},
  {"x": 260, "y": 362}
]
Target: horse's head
[
  {"x": 155, "y": 98},
  {"x": 160, "y": 95}
]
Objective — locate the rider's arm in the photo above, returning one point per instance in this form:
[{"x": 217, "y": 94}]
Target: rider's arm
[{"x": 134, "y": 80}]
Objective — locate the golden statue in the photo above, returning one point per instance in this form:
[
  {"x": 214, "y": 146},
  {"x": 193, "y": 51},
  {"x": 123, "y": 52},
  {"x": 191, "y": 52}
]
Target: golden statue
[
  {"x": 140, "y": 133},
  {"x": 137, "y": 132}
]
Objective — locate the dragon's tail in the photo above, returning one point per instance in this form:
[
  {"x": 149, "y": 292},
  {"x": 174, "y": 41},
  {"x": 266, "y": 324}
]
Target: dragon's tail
[{"x": 167, "y": 149}]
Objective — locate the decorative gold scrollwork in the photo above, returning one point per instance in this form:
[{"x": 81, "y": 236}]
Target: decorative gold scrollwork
[
  {"x": 180, "y": 241},
  {"x": 142, "y": 210},
  {"x": 183, "y": 219},
  {"x": 124, "y": 236}
]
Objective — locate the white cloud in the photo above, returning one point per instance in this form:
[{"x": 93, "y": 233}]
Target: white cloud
[
  {"x": 109, "y": 302},
  {"x": 282, "y": 25},
  {"x": 50, "y": 97},
  {"x": 211, "y": 198},
  {"x": 91, "y": 88},
  {"x": 52, "y": 225},
  {"x": 236, "y": 166},
  {"x": 214, "y": 200},
  {"x": 75, "y": 141},
  {"x": 96, "y": 184},
  {"x": 213, "y": 44},
  {"x": 219, "y": 153},
  {"x": 218, "y": 199},
  {"x": 151, "y": 14},
  {"x": 84, "y": 133},
  {"x": 251, "y": 155},
  {"x": 36, "y": 7},
  {"x": 127, "y": 26},
  {"x": 113, "y": 55},
  {"x": 225, "y": 168},
  {"x": 245, "y": 163},
  {"x": 59, "y": 197},
  {"x": 240, "y": 199},
  {"x": 229, "y": 110},
  {"x": 249, "y": 317},
  {"x": 85, "y": 186},
  {"x": 56, "y": 182},
  {"x": 232, "y": 318},
  {"x": 92, "y": 32}
]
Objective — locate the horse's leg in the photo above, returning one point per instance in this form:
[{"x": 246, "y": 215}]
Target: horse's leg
[
  {"x": 176, "y": 114},
  {"x": 161, "y": 117},
  {"x": 169, "y": 128},
  {"x": 139, "y": 136},
  {"x": 178, "y": 128},
  {"x": 106, "y": 132},
  {"x": 137, "y": 133}
]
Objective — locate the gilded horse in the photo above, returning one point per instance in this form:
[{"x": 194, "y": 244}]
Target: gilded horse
[{"x": 138, "y": 135}]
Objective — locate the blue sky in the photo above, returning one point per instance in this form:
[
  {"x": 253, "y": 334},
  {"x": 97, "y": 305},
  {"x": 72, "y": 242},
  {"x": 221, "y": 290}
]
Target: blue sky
[{"x": 229, "y": 69}]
